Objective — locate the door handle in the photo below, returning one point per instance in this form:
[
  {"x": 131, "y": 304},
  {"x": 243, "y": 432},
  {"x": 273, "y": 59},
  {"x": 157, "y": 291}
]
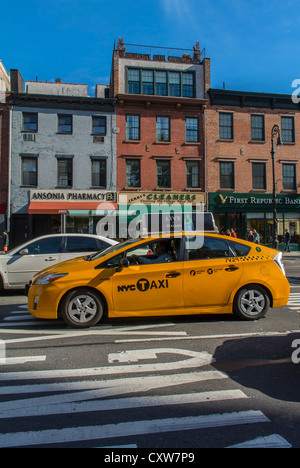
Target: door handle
[
  {"x": 232, "y": 268},
  {"x": 172, "y": 274}
]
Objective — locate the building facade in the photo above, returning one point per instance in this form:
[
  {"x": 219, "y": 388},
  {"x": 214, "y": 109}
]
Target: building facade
[
  {"x": 63, "y": 169},
  {"x": 160, "y": 139},
  {"x": 239, "y": 163},
  {"x": 4, "y": 144}
]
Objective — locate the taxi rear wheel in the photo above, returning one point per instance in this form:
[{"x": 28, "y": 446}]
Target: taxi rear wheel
[
  {"x": 82, "y": 308},
  {"x": 251, "y": 302}
]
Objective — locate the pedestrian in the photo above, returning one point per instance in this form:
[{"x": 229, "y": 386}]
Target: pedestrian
[
  {"x": 5, "y": 241},
  {"x": 256, "y": 238},
  {"x": 233, "y": 233},
  {"x": 287, "y": 239},
  {"x": 228, "y": 233},
  {"x": 250, "y": 236}
]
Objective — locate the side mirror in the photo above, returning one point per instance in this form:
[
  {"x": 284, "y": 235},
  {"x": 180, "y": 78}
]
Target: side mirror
[
  {"x": 24, "y": 252},
  {"x": 124, "y": 263}
]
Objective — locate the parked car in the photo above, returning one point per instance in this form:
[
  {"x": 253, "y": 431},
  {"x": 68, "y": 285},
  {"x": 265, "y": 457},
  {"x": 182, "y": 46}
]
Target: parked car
[
  {"x": 19, "y": 265},
  {"x": 199, "y": 274}
]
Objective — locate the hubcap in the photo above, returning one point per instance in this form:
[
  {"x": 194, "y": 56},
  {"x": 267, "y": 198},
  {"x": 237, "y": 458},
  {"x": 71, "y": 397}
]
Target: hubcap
[
  {"x": 82, "y": 308},
  {"x": 252, "y": 302}
]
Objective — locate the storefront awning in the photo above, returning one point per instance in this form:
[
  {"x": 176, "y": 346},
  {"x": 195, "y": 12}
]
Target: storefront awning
[{"x": 39, "y": 207}]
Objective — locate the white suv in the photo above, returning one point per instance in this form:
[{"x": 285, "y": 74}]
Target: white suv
[{"x": 19, "y": 265}]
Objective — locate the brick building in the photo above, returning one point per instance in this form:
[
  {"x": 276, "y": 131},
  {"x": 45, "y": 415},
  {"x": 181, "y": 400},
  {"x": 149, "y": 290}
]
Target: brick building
[
  {"x": 160, "y": 140},
  {"x": 238, "y": 128}
]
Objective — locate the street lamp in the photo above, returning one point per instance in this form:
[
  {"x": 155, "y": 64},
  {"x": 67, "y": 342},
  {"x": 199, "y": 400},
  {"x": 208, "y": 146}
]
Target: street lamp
[{"x": 275, "y": 133}]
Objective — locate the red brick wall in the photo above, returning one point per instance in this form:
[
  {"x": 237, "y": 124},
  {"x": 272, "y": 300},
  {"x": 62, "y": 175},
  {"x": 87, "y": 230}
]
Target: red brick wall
[
  {"x": 242, "y": 150},
  {"x": 149, "y": 149}
]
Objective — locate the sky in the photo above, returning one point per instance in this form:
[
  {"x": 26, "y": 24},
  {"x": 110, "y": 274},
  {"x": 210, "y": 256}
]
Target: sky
[{"x": 253, "y": 45}]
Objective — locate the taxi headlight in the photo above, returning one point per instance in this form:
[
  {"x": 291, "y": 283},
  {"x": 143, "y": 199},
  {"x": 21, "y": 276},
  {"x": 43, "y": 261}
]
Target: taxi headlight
[{"x": 47, "y": 279}]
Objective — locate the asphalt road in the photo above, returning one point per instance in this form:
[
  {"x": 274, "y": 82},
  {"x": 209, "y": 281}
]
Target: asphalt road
[{"x": 162, "y": 384}]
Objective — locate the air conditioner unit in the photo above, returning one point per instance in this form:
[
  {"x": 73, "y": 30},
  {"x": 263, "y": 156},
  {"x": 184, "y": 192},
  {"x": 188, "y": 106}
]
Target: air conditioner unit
[
  {"x": 98, "y": 139},
  {"x": 29, "y": 136}
]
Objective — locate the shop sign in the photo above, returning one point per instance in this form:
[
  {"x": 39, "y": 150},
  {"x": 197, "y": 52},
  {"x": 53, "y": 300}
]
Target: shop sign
[
  {"x": 226, "y": 200},
  {"x": 148, "y": 198},
  {"x": 72, "y": 195}
]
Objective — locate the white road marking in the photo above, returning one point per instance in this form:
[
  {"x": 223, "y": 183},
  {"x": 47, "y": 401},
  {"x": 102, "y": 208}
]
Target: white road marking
[
  {"x": 132, "y": 428},
  {"x": 272, "y": 441},
  {"x": 21, "y": 360}
]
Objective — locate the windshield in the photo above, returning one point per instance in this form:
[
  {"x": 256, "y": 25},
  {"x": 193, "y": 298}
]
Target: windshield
[{"x": 113, "y": 248}]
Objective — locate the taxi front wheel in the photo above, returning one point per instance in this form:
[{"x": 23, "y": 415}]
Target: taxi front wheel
[
  {"x": 251, "y": 302},
  {"x": 82, "y": 308}
]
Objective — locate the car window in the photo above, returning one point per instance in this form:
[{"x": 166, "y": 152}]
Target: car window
[
  {"x": 84, "y": 244},
  {"x": 200, "y": 248},
  {"x": 241, "y": 250},
  {"x": 49, "y": 245}
]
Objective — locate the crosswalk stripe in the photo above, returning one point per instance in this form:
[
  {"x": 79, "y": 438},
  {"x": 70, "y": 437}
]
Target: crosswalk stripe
[
  {"x": 117, "y": 404},
  {"x": 131, "y": 428}
]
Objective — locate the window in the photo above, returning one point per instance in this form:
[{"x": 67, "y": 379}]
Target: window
[
  {"x": 65, "y": 124},
  {"x": 134, "y": 86},
  {"x": 226, "y": 126},
  {"x": 132, "y": 127},
  {"x": 30, "y": 122},
  {"x": 188, "y": 85},
  {"x": 202, "y": 248},
  {"x": 98, "y": 172},
  {"x": 191, "y": 129},
  {"x": 289, "y": 176},
  {"x": 64, "y": 172},
  {"x": 29, "y": 171},
  {"x": 174, "y": 84},
  {"x": 50, "y": 245},
  {"x": 240, "y": 249},
  {"x": 192, "y": 174},
  {"x": 163, "y": 174},
  {"x": 99, "y": 125},
  {"x": 84, "y": 244},
  {"x": 258, "y": 127},
  {"x": 162, "y": 128},
  {"x": 161, "y": 83},
  {"x": 133, "y": 173},
  {"x": 147, "y": 82},
  {"x": 259, "y": 176},
  {"x": 287, "y": 129},
  {"x": 227, "y": 175}
]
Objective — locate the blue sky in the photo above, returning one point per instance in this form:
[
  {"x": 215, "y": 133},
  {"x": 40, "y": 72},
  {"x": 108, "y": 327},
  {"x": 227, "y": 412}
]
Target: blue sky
[{"x": 253, "y": 45}]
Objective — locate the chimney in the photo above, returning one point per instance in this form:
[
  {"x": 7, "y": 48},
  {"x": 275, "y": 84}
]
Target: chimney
[{"x": 16, "y": 81}]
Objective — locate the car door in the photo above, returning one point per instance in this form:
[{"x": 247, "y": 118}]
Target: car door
[
  {"x": 77, "y": 246},
  {"x": 36, "y": 256},
  {"x": 148, "y": 289},
  {"x": 210, "y": 272}
]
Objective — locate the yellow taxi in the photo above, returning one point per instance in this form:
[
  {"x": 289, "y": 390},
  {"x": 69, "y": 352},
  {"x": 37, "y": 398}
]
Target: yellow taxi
[{"x": 193, "y": 273}]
